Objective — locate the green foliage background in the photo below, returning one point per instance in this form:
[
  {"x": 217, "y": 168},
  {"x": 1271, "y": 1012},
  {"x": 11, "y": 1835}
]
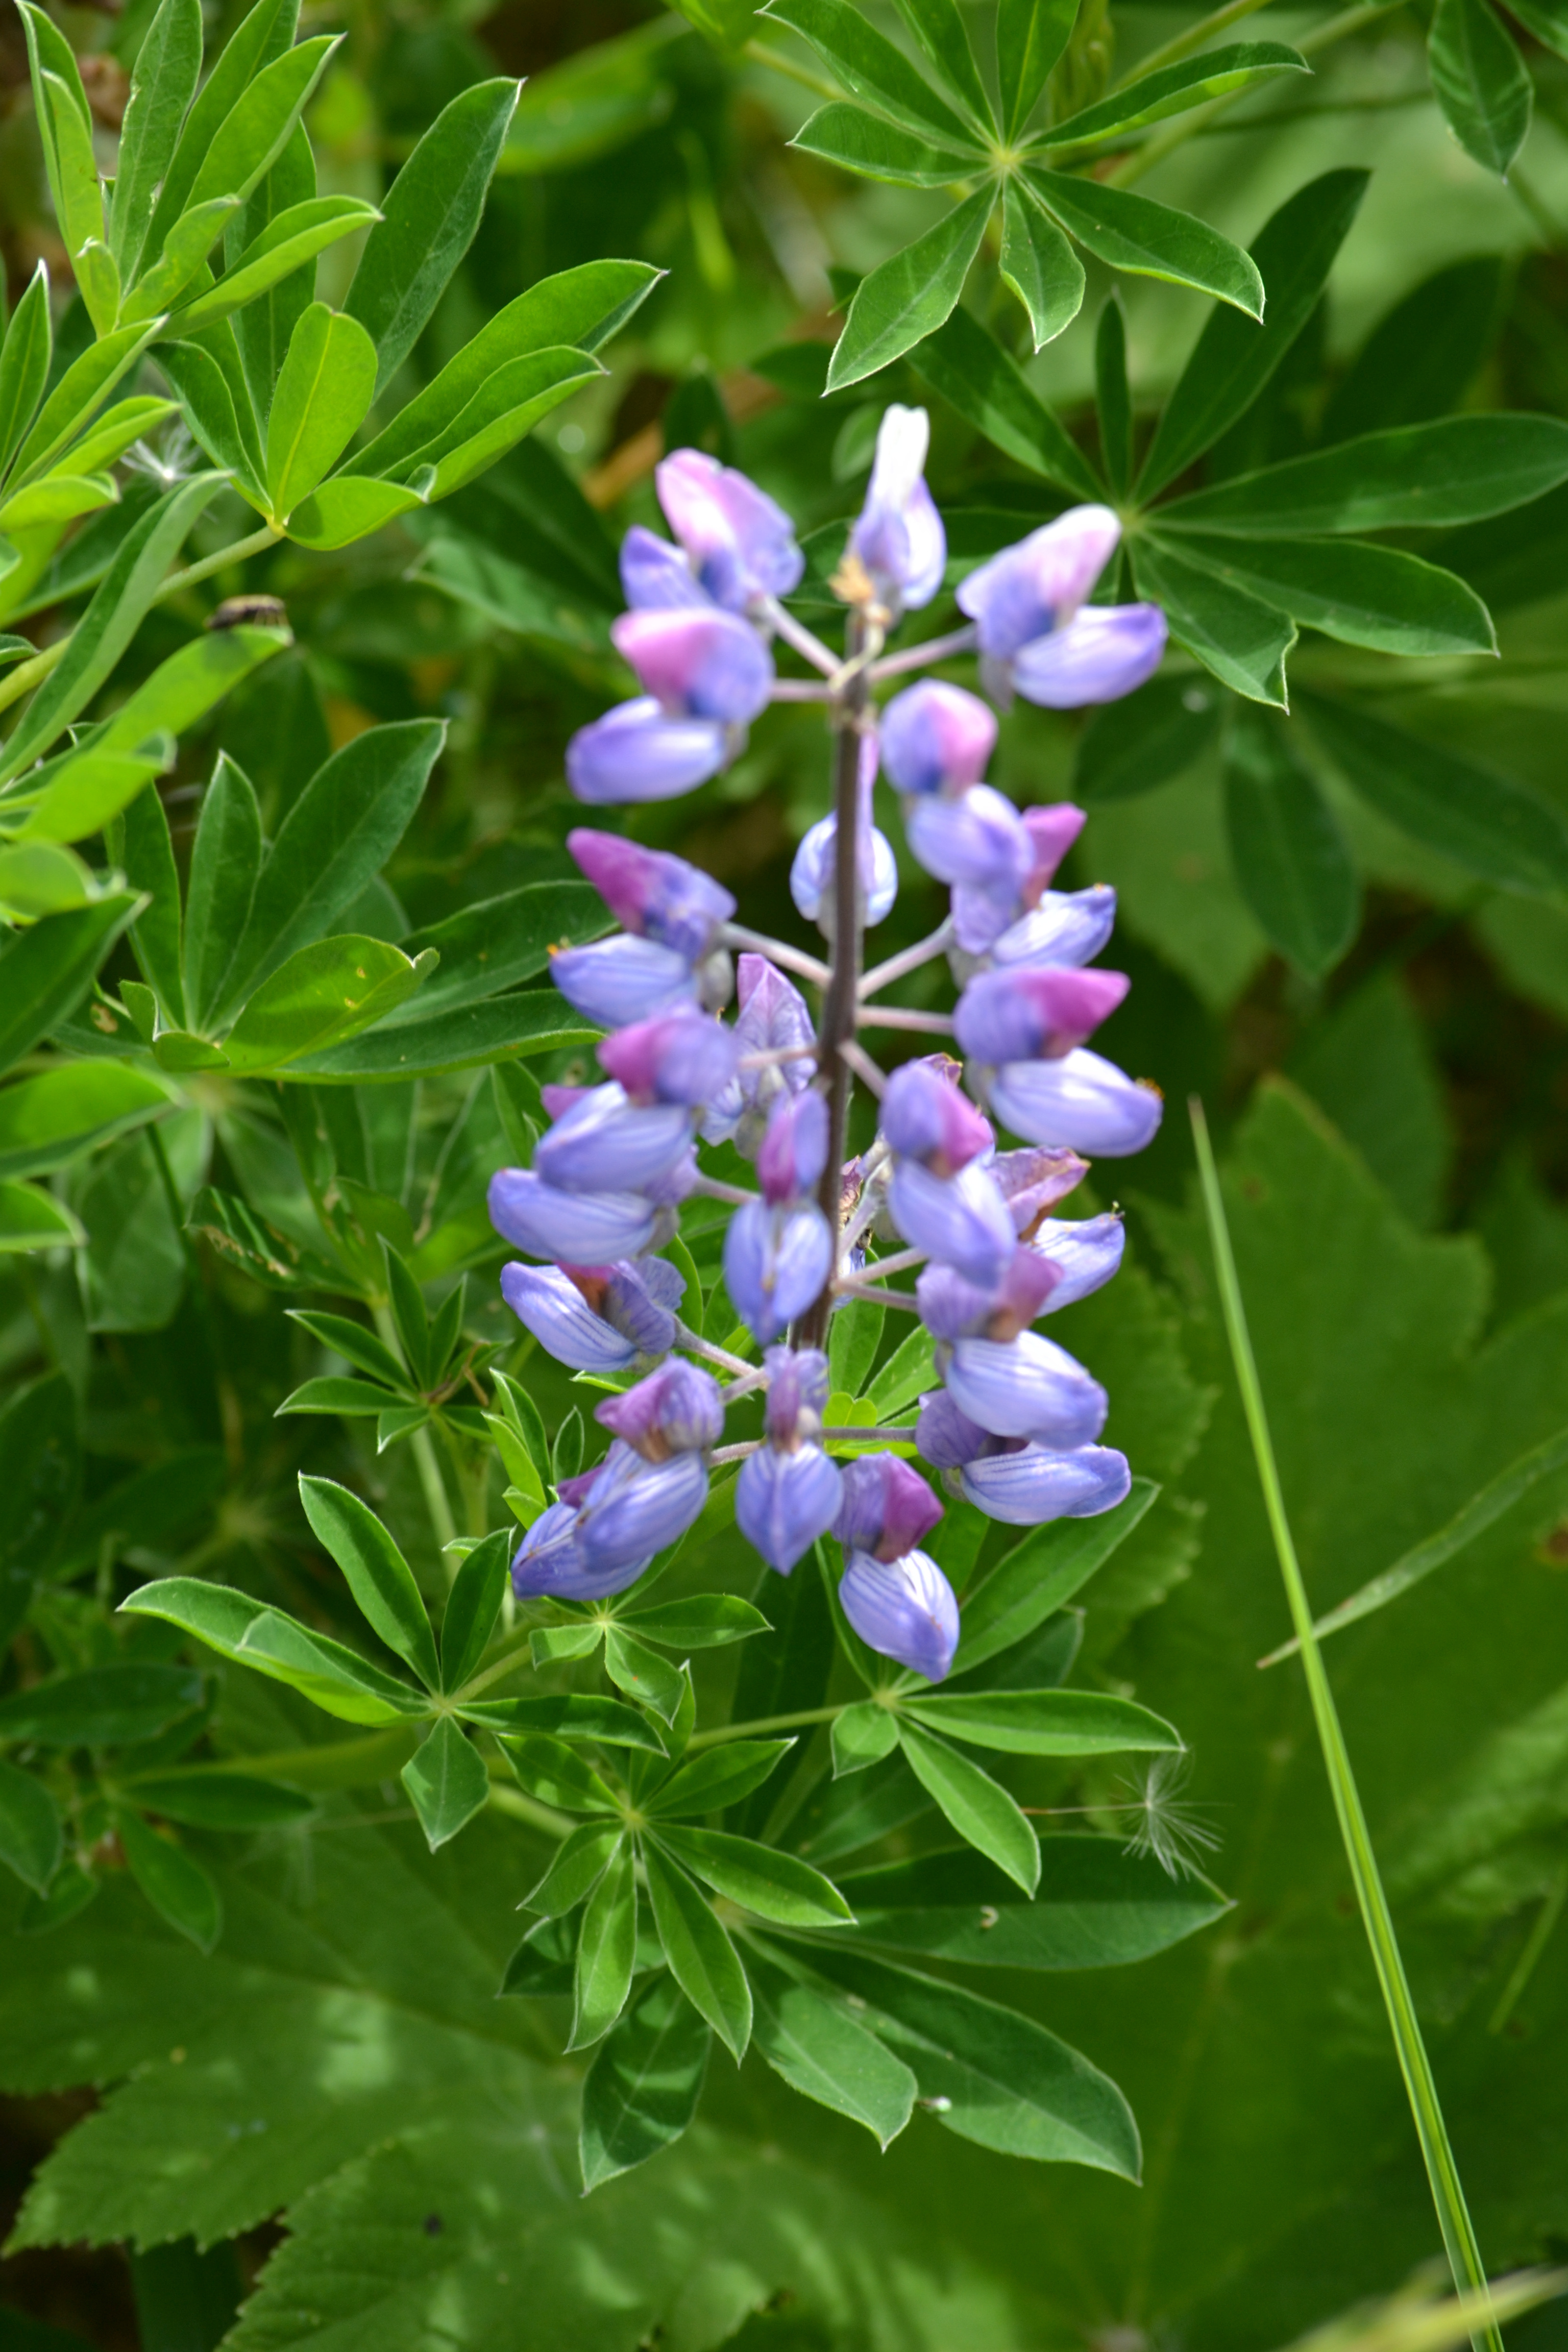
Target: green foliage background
[{"x": 1371, "y": 998}]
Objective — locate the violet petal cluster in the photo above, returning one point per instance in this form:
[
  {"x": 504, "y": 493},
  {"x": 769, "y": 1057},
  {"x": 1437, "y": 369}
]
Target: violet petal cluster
[
  {"x": 778, "y": 1251},
  {"x": 789, "y": 1491},
  {"x": 1039, "y": 634},
  {"x": 610, "y": 1523},
  {"x": 894, "y": 1595}
]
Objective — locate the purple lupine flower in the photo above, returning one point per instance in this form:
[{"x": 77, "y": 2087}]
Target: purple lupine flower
[
  {"x": 607, "y": 1143},
  {"x": 741, "y": 544},
  {"x": 1027, "y": 600},
  {"x": 1002, "y": 1375},
  {"x": 656, "y": 576},
  {"x": 898, "y": 538},
  {"x": 597, "y": 1319},
  {"x": 1081, "y": 1101},
  {"x": 983, "y": 914},
  {"x": 811, "y": 876},
  {"x": 621, "y": 979},
  {"x": 941, "y": 1198},
  {"x": 936, "y": 739},
  {"x": 1032, "y": 1182},
  {"x": 682, "y": 1056},
  {"x": 635, "y": 752},
  {"x": 668, "y": 953},
  {"x": 1085, "y": 1251},
  {"x": 609, "y": 1526},
  {"x": 977, "y": 842},
  {"x": 1024, "y": 1012},
  {"x": 678, "y": 1409},
  {"x": 703, "y": 664},
  {"x": 773, "y": 1017},
  {"x": 1067, "y": 927},
  {"x": 778, "y": 1251},
  {"x": 574, "y": 1228},
  {"x": 1011, "y": 1479},
  {"x": 788, "y": 1493},
  {"x": 886, "y": 1507},
  {"x": 904, "y": 1608}
]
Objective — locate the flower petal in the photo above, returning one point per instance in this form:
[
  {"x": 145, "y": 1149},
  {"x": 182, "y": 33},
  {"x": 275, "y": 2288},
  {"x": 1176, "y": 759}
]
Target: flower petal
[
  {"x": 550, "y": 1305},
  {"x": 635, "y": 753},
  {"x": 1029, "y": 1487},
  {"x": 1081, "y": 1101},
  {"x": 621, "y": 980},
  {"x": 584, "y": 1228},
  {"x": 1026, "y": 1387},
  {"x": 1105, "y": 652},
  {"x": 784, "y": 1501},
  {"x": 904, "y": 1610},
  {"x": 962, "y": 1220}
]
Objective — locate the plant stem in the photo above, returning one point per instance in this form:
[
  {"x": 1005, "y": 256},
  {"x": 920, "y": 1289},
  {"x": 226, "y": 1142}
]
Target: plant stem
[
  {"x": 1187, "y": 44},
  {"x": 764, "y": 1723},
  {"x": 1442, "y": 2172},
  {"x": 763, "y": 53},
  {"x": 736, "y": 935},
  {"x": 883, "y": 975},
  {"x": 956, "y": 641}
]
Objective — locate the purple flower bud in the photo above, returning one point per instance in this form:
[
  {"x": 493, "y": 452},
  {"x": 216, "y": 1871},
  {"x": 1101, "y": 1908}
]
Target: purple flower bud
[
  {"x": 904, "y": 1610},
  {"x": 786, "y": 1497},
  {"x": 624, "y": 979},
  {"x": 655, "y": 575},
  {"x": 1086, "y": 1251},
  {"x": 597, "y": 1319},
  {"x": 699, "y": 664},
  {"x": 652, "y": 892},
  {"x": 741, "y": 544},
  {"x": 1036, "y": 586},
  {"x": 772, "y": 1018},
  {"x": 1103, "y": 653},
  {"x": 936, "y": 739},
  {"x": 547, "y": 1563},
  {"x": 676, "y": 1410},
  {"x": 945, "y": 1437},
  {"x": 1026, "y": 1485},
  {"x": 953, "y": 1308},
  {"x": 635, "y": 753},
  {"x": 1013, "y": 1016},
  {"x": 1068, "y": 926},
  {"x": 636, "y": 1508},
  {"x": 606, "y": 1144},
  {"x": 978, "y": 840},
  {"x": 579, "y": 1228},
  {"x": 797, "y": 1394},
  {"x": 1032, "y": 1182},
  {"x": 678, "y": 1057},
  {"x": 925, "y": 1117},
  {"x": 1024, "y": 1387},
  {"x": 1081, "y": 1101},
  {"x": 793, "y": 1151},
  {"x": 982, "y": 915},
  {"x": 775, "y": 1261},
  {"x": 811, "y": 877},
  {"x": 887, "y": 1506},
  {"x": 960, "y": 1220},
  {"x": 899, "y": 537}
]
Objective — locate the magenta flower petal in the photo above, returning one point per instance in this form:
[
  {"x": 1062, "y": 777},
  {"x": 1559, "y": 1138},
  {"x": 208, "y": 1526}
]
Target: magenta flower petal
[
  {"x": 936, "y": 739},
  {"x": 676, "y": 1410},
  {"x": 1007, "y": 1015},
  {"x": 653, "y": 892},
  {"x": 887, "y": 1506},
  {"x": 924, "y": 1117},
  {"x": 699, "y": 664},
  {"x": 741, "y": 545}
]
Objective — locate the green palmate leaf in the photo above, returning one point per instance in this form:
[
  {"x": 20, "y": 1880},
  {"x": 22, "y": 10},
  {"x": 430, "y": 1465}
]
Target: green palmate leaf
[
  {"x": 1487, "y": 822},
  {"x": 643, "y": 2087},
  {"x": 335, "y": 1678},
  {"x": 536, "y": 1021},
  {"x": 1130, "y": 747},
  {"x": 702, "y": 1961},
  {"x": 74, "y": 795},
  {"x": 1481, "y": 81},
  {"x": 340, "y": 832},
  {"x": 409, "y": 1314},
  {"x": 775, "y": 1886},
  {"x": 264, "y": 34},
  {"x": 1457, "y": 469},
  {"x": 431, "y": 215},
  {"x": 176, "y": 1887},
  {"x": 859, "y": 141},
  {"x": 719, "y": 1777},
  {"x": 111, "y": 621},
  {"x": 323, "y": 996},
  {"x": 146, "y": 854},
  {"x": 272, "y": 1257},
  {"x": 606, "y": 1952},
  {"x": 255, "y": 131},
  {"x": 184, "y": 251},
  {"x": 1173, "y": 89},
  {"x": 205, "y": 1798},
  {"x": 869, "y": 66},
  {"x": 583, "y": 1857},
  {"x": 554, "y": 1773},
  {"x": 908, "y": 1373},
  {"x": 995, "y": 2077},
  {"x": 1098, "y": 1906},
  {"x": 354, "y": 1341},
  {"x": 1233, "y": 360},
  {"x": 1361, "y": 594},
  {"x": 862, "y": 1736},
  {"x": 31, "y": 1219},
  {"x": 45, "y": 970},
  {"x": 50, "y": 1119},
  {"x": 324, "y": 387},
  {"x": 349, "y": 508},
  {"x": 1040, "y": 1575},
  {"x": 295, "y": 237},
  {"x": 1030, "y": 37},
  {"x": 1039, "y": 265},
  {"x": 604, "y": 1720},
  {"x": 643, "y": 1674},
  {"x": 497, "y": 943},
  {"x": 378, "y": 1576},
  {"x": 575, "y": 311},
  {"x": 473, "y": 1606},
  {"x": 102, "y": 1707},
  {"x": 1291, "y": 862},
  {"x": 969, "y": 367},
  {"x": 939, "y": 27},
  {"x": 910, "y": 296},
  {"x": 1044, "y": 1722},
  {"x": 826, "y": 2055},
  {"x": 162, "y": 84},
  {"x": 704, "y": 1621},
  {"x": 1134, "y": 233},
  {"x": 1113, "y": 400},
  {"x": 978, "y": 1807},
  {"x": 1242, "y": 640},
  {"x": 25, "y": 363},
  {"x": 448, "y": 1783},
  {"x": 31, "y": 1833}
]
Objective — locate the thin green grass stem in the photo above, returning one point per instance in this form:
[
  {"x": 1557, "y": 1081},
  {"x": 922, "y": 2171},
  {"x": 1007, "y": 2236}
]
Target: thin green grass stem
[{"x": 1442, "y": 2172}]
